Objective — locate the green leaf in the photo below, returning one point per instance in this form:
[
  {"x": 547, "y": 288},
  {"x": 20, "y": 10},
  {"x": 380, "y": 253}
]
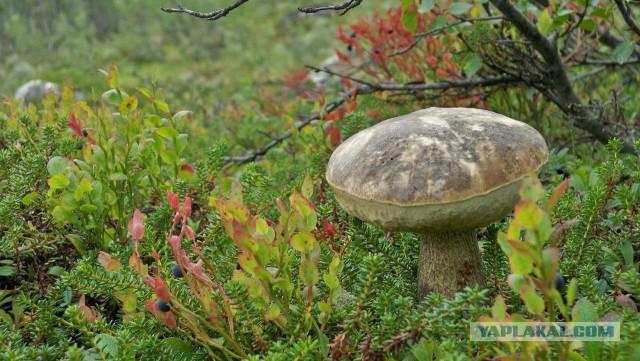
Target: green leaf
[
  {"x": 574, "y": 356},
  {"x": 181, "y": 142},
  {"x": 7, "y": 271},
  {"x": 588, "y": 25},
  {"x": 499, "y": 309},
  {"x": 57, "y": 165},
  {"x": 29, "y": 198},
  {"x": 438, "y": 22},
  {"x": 426, "y": 5},
  {"x": 111, "y": 96},
  {"x": 128, "y": 105},
  {"x": 307, "y": 186},
  {"x": 308, "y": 273},
  {"x": 623, "y": 51},
  {"x": 571, "y": 291},
  {"x": 303, "y": 241},
  {"x": 459, "y": 8},
  {"x": 528, "y": 214},
  {"x": 161, "y": 105},
  {"x": 108, "y": 344},
  {"x": 88, "y": 208},
  {"x": 178, "y": 348},
  {"x": 545, "y": 22},
  {"x": 170, "y": 157},
  {"x": 409, "y": 18},
  {"x": 592, "y": 350},
  {"x": 179, "y": 115},
  {"x": 117, "y": 176},
  {"x": 584, "y": 311},
  {"x": 56, "y": 271},
  {"x": 152, "y": 120},
  {"x": 129, "y": 303},
  {"x": 534, "y": 303},
  {"x": 113, "y": 76},
  {"x": 471, "y": 64},
  {"x": 77, "y": 242},
  {"x": 331, "y": 280},
  {"x": 58, "y": 181},
  {"x": 520, "y": 262},
  {"x": 167, "y": 132},
  {"x": 84, "y": 187},
  {"x": 146, "y": 92},
  {"x": 627, "y": 252}
]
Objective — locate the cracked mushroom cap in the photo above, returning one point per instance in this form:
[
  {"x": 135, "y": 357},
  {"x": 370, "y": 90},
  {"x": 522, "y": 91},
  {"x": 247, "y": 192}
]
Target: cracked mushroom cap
[{"x": 435, "y": 169}]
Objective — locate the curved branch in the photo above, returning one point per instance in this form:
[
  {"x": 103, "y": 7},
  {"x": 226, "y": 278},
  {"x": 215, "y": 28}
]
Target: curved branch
[
  {"x": 217, "y": 14},
  {"x": 626, "y": 13},
  {"x": 214, "y": 15},
  {"x": 343, "y": 8}
]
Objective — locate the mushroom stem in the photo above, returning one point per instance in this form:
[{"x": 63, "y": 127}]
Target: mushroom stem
[{"x": 449, "y": 261}]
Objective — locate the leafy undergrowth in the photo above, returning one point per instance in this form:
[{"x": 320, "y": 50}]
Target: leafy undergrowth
[{"x": 121, "y": 240}]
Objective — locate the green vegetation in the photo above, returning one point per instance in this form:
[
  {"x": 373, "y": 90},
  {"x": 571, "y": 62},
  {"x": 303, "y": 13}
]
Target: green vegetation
[{"x": 131, "y": 228}]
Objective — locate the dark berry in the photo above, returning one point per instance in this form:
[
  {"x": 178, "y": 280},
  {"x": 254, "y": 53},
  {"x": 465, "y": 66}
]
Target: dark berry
[
  {"x": 561, "y": 169},
  {"x": 177, "y": 272},
  {"x": 163, "y": 306},
  {"x": 560, "y": 282}
]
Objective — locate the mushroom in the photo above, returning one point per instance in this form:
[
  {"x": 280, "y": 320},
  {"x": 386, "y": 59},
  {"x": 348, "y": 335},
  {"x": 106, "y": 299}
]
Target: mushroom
[{"x": 442, "y": 173}]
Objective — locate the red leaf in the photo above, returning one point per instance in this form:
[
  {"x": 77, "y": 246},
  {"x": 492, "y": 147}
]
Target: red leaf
[
  {"x": 136, "y": 227},
  {"x": 188, "y": 168},
  {"x": 329, "y": 228},
  {"x": 189, "y": 232},
  {"x": 89, "y": 314},
  {"x": 75, "y": 126},
  {"x": 187, "y": 206},
  {"x": 174, "y": 201},
  {"x": 162, "y": 292},
  {"x": 108, "y": 263},
  {"x": 174, "y": 242},
  {"x": 334, "y": 136},
  {"x": 626, "y": 302}
]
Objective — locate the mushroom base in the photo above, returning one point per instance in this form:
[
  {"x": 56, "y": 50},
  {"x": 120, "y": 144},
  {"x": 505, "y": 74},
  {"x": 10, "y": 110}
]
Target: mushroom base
[{"x": 449, "y": 261}]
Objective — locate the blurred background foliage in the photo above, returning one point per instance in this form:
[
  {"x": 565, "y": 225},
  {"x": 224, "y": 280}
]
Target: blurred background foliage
[{"x": 200, "y": 64}]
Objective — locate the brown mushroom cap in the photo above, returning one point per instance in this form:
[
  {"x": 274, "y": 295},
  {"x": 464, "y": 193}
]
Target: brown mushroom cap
[{"x": 435, "y": 169}]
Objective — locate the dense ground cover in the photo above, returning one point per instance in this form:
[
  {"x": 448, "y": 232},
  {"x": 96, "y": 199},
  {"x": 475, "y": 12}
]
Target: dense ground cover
[{"x": 131, "y": 228}]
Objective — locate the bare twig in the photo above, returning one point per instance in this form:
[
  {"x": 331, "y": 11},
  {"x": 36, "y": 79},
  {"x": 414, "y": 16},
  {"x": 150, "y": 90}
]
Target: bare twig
[
  {"x": 214, "y": 15},
  {"x": 331, "y": 72},
  {"x": 343, "y": 8},
  {"x": 419, "y": 37},
  {"x": 627, "y": 15},
  {"x": 562, "y": 92},
  {"x": 217, "y": 14}
]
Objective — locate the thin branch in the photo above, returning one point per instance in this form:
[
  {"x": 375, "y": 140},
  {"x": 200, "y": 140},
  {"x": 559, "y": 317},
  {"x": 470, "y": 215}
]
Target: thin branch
[
  {"x": 262, "y": 151},
  {"x": 368, "y": 89},
  {"x": 214, "y": 15},
  {"x": 626, "y": 13},
  {"x": 343, "y": 8},
  {"x": 419, "y": 37},
  {"x": 331, "y": 72},
  {"x": 563, "y": 93}
]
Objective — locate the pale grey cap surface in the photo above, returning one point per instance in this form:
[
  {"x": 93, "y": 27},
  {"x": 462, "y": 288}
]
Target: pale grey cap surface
[{"x": 435, "y": 169}]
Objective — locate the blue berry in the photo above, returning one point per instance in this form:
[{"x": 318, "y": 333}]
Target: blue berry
[
  {"x": 177, "y": 272},
  {"x": 560, "y": 282},
  {"x": 163, "y": 306}
]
